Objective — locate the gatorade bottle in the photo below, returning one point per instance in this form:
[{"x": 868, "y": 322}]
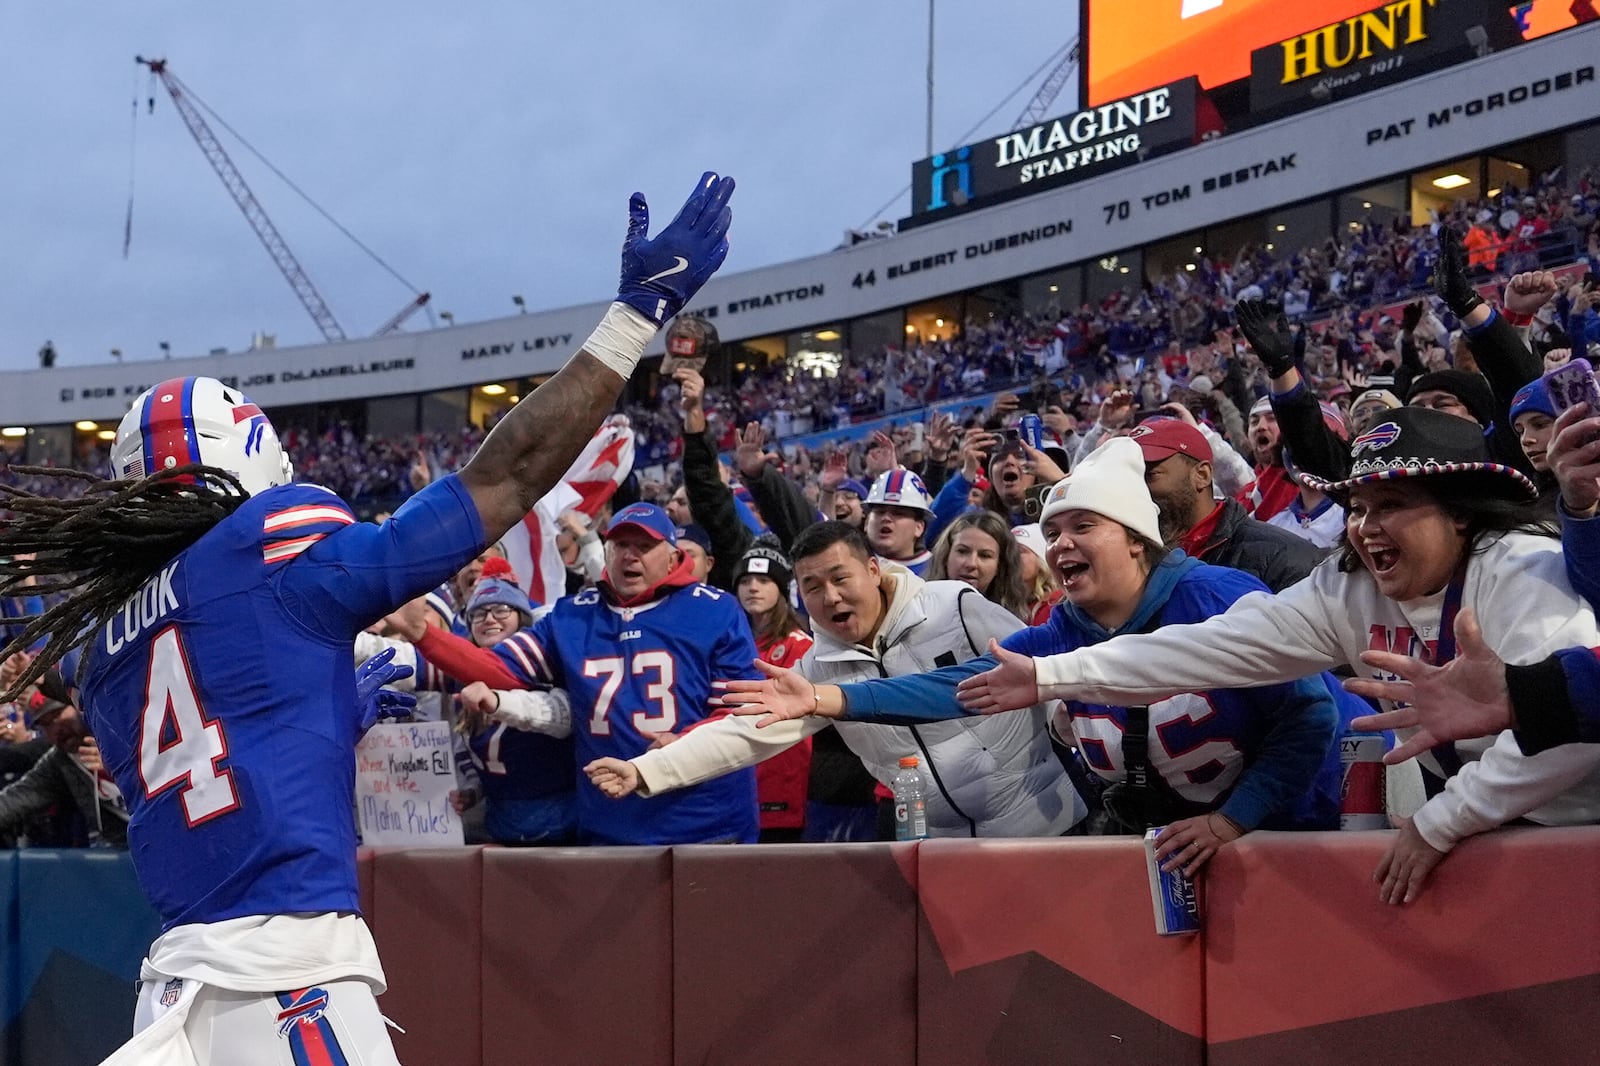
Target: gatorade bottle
[{"x": 910, "y": 818}]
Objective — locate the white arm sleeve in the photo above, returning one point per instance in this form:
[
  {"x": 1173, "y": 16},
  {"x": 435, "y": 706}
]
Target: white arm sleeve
[
  {"x": 548, "y": 712},
  {"x": 370, "y": 644},
  {"x": 1527, "y": 610},
  {"x": 716, "y": 748},
  {"x": 1262, "y": 639},
  {"x": 1505, "y": 784}
]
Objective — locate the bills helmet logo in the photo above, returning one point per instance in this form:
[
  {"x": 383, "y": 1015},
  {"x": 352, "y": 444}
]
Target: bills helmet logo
[
  {"x": 171, "y": 992},
  {"x": 305, "y": 1007},
  {"x": 256, "y": 430},
  {"x": 1375, "y": 439}
]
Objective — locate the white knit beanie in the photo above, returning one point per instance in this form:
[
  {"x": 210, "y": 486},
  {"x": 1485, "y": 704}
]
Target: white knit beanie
[{"x": 1109, "y": 482}]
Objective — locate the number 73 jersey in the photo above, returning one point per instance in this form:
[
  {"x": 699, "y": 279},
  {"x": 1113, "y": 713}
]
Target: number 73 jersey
[{"x": 633, "y": 671}]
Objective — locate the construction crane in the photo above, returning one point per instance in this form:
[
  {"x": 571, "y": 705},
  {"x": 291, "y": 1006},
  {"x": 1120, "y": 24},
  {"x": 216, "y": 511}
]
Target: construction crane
[
  {"x": 256, "y": 215},
  {"x": 1050, "y": 88}
]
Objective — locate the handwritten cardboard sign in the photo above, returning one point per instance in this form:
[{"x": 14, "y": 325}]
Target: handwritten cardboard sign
[{"x": 404, "y": 774}]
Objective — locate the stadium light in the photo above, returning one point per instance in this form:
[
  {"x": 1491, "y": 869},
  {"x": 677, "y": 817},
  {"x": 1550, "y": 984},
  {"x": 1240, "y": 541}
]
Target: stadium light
[
  {"x": 86, "y": 426},
  {"x": 493, "y": 390},
  {"x": 1280, "y": 227},
  {"x": 107, "y": 434},
  {"x": 827, "y": 335},
  {"x": 910, "y": 329},
  {"x": 14, "y": 431},
  {"x": 1055, "y": 288},
  {"x": 1452, "y": 181},
  {"x": 1188, "y": 266}
]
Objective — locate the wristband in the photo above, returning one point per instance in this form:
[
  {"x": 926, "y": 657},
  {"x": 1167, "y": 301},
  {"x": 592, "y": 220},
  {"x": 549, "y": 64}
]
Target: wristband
[
  {"x": 620, "y": 338},
  {"x": 1516, "y": 318}
]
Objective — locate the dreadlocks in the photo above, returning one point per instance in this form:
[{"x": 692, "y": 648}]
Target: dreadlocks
[{"x": 99, "y": 548}]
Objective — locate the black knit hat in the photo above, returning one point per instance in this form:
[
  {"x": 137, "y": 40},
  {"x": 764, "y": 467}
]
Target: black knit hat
[
  {"x": 1421, "y": 442},
  {"x": 766, "y": 557},
  {"x": 1471, "y": 389}
]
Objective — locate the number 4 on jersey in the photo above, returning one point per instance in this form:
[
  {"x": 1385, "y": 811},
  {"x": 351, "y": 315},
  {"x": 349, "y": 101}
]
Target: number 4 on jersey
[{"x": 178, "y": 744}]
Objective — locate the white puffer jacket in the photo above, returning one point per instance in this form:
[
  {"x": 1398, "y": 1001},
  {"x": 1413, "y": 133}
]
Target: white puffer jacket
[{"x": 987, "y": 776}]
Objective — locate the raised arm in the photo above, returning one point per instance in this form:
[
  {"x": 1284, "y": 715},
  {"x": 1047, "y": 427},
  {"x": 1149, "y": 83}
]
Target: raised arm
[{"x": 535, "y": 444}]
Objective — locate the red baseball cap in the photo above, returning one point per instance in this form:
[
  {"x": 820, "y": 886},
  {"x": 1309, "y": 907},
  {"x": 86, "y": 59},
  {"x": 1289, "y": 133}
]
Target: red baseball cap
[{"x": 1162, "y": 438}]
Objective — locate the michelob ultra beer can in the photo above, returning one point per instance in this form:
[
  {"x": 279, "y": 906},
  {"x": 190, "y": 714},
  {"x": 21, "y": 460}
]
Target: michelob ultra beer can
[
  {"x": 1363, "y": 794},
  {"x": 1172, "y": 894}
]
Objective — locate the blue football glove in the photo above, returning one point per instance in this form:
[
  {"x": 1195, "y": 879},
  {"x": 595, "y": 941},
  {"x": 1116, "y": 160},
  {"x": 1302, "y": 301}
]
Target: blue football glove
[
  {"x": 661, "y": 274},
  {"x": 373, "y": 701}
]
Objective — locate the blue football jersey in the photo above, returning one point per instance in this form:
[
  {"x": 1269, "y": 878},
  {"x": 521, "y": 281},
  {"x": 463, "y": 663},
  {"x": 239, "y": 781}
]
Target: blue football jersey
[
  {"x": 643, "y": 669},
  {"x": 515, "y": 764},
  {"x": 223, "y": 696}
]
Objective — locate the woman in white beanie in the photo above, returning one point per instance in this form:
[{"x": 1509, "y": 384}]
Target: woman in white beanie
[{"x": 1208, "y": 765}]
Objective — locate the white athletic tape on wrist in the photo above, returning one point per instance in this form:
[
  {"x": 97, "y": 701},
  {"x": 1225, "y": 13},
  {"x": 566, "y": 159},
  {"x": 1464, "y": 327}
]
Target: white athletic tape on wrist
[{"x": 620, "y": 338}]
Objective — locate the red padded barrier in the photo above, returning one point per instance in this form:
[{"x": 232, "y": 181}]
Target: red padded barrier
[
  {"x": 427, "y": 916},
  {"x": 1498, "y": 961},
  {"x": 1046, "y": 951},
  {"x": 796, "y": 954},
  {"x": 577, "y": 956}
]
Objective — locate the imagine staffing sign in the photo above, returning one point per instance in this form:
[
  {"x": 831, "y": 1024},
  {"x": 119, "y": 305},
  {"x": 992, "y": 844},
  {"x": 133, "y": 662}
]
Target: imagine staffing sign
[{"x": 1055, "y": 152}]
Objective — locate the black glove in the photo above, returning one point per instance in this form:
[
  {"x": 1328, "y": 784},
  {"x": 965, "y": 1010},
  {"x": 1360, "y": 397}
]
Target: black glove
[
  {"x": 1411, "y": 317},
  {"x": 1267, "y": 330},
  {"x": 1450, "y": 275}
]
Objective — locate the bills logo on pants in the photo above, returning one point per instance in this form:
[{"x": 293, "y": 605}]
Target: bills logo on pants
[{"x": 303, "y": 1021}]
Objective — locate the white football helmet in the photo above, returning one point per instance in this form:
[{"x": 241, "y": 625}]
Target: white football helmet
[
  {"x": 900, "y": 488},
  {"x": 199, "y": 420}
]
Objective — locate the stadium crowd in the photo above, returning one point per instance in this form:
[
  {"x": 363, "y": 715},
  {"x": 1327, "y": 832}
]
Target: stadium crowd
[{"x": 1299, "y": 458}]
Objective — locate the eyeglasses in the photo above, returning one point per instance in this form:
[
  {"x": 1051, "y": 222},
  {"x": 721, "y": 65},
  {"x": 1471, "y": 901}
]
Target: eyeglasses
[{"x": 498, "y": 611}]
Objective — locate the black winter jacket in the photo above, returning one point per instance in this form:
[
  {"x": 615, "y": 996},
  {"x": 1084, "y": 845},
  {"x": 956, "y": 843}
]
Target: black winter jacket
[{"x": 1276, "y": 556}]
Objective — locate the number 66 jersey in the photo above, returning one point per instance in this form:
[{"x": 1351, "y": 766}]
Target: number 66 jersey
[{"x": 222, "y": 695}]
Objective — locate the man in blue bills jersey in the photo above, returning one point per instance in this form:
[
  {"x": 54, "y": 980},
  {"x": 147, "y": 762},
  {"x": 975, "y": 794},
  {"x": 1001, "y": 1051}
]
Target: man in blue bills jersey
[
  {"x": 637, "y": 655},
  {"x": 193, "y": 579}
]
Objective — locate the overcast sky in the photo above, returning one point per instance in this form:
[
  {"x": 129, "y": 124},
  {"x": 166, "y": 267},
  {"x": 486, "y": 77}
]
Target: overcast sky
[{"x": 482, "y": 149}]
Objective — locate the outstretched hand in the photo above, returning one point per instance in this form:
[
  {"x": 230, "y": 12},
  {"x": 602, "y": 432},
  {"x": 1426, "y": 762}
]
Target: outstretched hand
[
  {"x": 617, "y": 778},
  {"x": 373, "y": 701},
  {"x": 782, "y": 695},
  {"x": 410, "y": 621},
  {"x": 1464, "y": 698},
  {"x": 834, "y": 471},
  {"x": 661, "y": 274},
  {"x": 751, "y": 455},
  {"x": 1010, "y": 686}
]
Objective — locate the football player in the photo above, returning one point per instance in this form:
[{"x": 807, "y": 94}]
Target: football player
[{"x": 194, "y": 578}]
